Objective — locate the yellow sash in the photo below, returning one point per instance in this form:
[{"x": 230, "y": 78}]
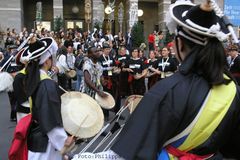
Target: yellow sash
[
  {"x": 217, "y": 105},
  {"x": 23, "y": 71}
]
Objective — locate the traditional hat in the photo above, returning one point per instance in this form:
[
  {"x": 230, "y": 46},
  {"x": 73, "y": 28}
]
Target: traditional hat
[
  {"x": 106, "y": 102},
  {"x": 133, "y": 101},
  {"x": 36, "y": 49},
  {"x": 82, "y": 116},
  {"x": 19, "y": 55},
  {"x": 197, "y": 22}
]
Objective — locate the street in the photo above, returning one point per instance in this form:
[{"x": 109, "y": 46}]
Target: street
[
  {"x": 7, "y": 129},
  {"x": 6, "y": 126}
]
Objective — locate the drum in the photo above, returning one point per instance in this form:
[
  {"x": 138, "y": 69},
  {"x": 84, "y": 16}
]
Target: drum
[
  {"x": 71, "y": 74},
  {"x": 82, "y": 116},
  {"x": 106, "y": 102},
  {"x": 132, "y": 102}
]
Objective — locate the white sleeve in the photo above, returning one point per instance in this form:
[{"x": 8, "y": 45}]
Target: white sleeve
[
  {"x": 87, "y": 67},
  {"x": 107, "y": 155},
  {"x": 74, "y": 59},
  {"x": 63, "y": 63},
  {"x": 57, "y": 137}
]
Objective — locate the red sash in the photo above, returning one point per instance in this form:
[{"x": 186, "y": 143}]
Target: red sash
[
  {"x": 185, "y": 155},
  {"x": 18, "y": 149}
]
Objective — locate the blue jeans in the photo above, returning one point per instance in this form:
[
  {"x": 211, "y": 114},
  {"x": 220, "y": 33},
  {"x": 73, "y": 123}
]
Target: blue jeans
[{"x": 79, "y": 79}]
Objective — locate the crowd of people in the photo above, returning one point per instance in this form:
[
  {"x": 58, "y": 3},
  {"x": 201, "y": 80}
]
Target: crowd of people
[
  {"x": 196, "y": 63},
  {"x": 122, "y": 69}
]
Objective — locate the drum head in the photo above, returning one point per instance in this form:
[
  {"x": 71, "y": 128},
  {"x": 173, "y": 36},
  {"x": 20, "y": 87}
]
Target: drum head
[
  {"x": 71, "y": 73},
  {"x": 107, "y": 102},
  {"x": 81, "y": 115},
  {"x": 132, "y": 102}
]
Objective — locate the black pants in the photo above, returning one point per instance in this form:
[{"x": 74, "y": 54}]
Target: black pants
[{"x": 13, "y": 103}]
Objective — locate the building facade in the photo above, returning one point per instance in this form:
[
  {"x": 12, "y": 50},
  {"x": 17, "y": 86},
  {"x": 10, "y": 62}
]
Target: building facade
[{"x": 23, "y": 13}]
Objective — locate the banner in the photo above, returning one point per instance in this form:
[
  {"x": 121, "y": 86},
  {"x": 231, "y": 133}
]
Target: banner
[{"x": 232, "y": 11}]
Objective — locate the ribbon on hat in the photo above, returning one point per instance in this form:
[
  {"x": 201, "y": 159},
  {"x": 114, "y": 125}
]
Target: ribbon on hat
[
  {"x": 215, "y": 29},
  {"x": 25, "y": 59}
]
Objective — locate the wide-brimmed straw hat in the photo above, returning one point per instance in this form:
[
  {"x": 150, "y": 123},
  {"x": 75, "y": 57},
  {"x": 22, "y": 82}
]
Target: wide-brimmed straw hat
[
  {"x": 82, "y": 116},
  {"x": 132, "y": 102},
  {"x": 197, "y": 22},
  {"x": 106, "y": 102}
]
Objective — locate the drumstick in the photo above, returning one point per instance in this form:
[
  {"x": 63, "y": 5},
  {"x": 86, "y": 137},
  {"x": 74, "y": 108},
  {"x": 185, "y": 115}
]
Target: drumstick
[
  {"x": 94, "y": 139},
  {"x": 65, "y": 148},
  {"x": 115, "y": 127},
  {"x": 18, "y": 49},
  {"x": 109, "y": 144},
  {"x": 62, "y": 89},
  {"x": 104, "y": 128},
  {"x": 81, "y": 124},
  {"x": 102, "y": 141}
]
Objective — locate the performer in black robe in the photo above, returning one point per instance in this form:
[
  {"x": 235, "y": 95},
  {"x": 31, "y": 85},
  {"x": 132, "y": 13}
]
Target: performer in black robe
[
  {"x": 22, "y": 106},
  {"x": 137, "y": 72},
  {"x": 110, "y": 82},
  {"x": 46, "y": 136},
  {"x": 151, "y": 63},
  {"x": 121, "y": 61},
  {"x": 172, "y": 104},
  {"x": 166, "y": 65}
]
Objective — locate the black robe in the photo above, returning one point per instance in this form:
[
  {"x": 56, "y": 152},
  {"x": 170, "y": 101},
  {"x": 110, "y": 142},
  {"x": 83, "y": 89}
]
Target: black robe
[
  {"x": 167, "y": 109},
  {"x": 19, "y": 93},
  {"x": 46, "y": 112}
]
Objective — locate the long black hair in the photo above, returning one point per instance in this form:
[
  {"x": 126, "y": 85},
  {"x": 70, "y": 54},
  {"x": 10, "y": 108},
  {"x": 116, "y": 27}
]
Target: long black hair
[
  {"x": 210, "y": 61},
  {"x": 32, "y": 77}
]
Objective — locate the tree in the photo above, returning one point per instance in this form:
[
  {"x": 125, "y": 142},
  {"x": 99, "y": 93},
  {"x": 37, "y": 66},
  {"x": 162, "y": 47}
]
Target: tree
[
  {"x": 137, "y": 35},
  {"x": 168, "y": 38},
  {"x": 58, "y": 24}
]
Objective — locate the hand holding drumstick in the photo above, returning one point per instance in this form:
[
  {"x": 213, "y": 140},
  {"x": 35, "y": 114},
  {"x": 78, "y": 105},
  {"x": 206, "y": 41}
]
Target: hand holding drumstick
[{"x": 70, "y": 141}]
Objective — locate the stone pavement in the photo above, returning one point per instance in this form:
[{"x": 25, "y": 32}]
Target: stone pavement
[{"x": 6, "y": 126}]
